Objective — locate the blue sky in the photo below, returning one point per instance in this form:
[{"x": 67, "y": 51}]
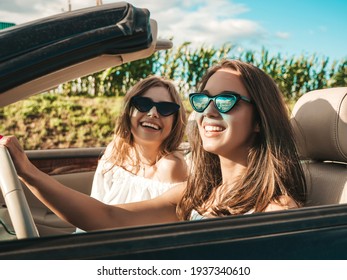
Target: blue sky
[
  {"x": 307, "y": 26},
  {"x": 289, "y": 27}
]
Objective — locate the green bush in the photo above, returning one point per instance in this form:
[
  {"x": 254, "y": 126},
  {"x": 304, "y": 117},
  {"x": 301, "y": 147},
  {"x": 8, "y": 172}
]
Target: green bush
[{"x": 66, "y": 121}]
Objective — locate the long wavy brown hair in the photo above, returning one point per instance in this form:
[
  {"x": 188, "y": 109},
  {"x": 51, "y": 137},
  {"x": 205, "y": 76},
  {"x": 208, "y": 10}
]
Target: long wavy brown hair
[
  {"x": 123, "y": 149},
  {"x": 273, "y": 167}
]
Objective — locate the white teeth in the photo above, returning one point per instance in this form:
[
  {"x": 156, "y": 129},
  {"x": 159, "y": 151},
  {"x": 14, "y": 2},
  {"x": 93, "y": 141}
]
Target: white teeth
[
  {"x": 152, "y": 125},
  {"x": 211, "y": 128}
]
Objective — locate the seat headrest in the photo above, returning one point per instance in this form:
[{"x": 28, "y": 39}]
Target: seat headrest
[{"x": 319, "y": 120}]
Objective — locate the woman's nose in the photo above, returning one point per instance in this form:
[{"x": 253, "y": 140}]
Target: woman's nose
[
  {"x": 153, "y": 112},
  {"x": 211, "y": 110}
]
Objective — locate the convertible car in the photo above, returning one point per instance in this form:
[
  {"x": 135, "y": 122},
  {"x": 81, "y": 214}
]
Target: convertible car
[{"x": 42, "y": 54}]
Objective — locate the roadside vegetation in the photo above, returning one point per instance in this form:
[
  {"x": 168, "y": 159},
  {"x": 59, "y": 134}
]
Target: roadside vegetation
[{"x": 82, "y": 113}]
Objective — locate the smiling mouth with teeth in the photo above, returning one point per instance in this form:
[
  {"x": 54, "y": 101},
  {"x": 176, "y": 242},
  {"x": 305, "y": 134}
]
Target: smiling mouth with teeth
[
  {"x": 212, "y": 128},
  {"x": 150, "y": 125}
]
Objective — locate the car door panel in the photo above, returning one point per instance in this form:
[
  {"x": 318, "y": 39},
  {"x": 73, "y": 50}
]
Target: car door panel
[{"x": 306, "y": 233}]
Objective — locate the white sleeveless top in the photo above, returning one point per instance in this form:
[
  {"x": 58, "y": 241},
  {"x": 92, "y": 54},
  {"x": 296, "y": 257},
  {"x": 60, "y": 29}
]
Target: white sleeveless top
[
  {"x": 117, "y": 186},
  {"x": 195, "y": 216}
]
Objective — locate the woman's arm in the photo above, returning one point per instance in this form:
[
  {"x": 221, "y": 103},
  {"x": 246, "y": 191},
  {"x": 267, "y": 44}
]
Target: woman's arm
[{"x": 83, "y": 211}]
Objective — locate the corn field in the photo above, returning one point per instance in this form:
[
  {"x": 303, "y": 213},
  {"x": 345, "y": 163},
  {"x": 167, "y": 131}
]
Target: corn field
[{"x": 294, "y": 75}]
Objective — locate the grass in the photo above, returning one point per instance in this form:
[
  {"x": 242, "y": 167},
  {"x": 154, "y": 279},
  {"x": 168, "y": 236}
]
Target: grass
[{"x": 43, "y": 121}]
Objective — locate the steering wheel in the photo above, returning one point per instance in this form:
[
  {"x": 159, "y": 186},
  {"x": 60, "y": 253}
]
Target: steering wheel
[{"x": 17, "y": 205}]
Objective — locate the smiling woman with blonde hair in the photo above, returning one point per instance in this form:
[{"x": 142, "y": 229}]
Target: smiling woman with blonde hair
[{"x": 143, "y": 159}]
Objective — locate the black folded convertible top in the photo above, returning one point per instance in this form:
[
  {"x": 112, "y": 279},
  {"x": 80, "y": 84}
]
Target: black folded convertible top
[{"x": 31, "y": 50}]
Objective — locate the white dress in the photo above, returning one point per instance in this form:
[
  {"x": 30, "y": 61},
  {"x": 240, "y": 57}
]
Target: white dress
[{"x": 117, "y": 186}]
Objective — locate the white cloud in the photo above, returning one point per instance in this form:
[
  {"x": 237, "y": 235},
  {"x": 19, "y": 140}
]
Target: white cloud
[
  {"x": 283, "y": 35},
  {"x": 215, "y": 32},
  {"x": 20, "y": 11},
  {"x": 203, "y": 22}
]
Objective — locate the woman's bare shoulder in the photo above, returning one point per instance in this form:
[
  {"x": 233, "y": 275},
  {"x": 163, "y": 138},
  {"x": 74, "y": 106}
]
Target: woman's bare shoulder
[{"x": 173, "y": 168}]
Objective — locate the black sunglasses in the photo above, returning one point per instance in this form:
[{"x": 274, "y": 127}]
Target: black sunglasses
[
  {"x": 145, "y": 104},
  {"x": 224, "y": 101}
]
